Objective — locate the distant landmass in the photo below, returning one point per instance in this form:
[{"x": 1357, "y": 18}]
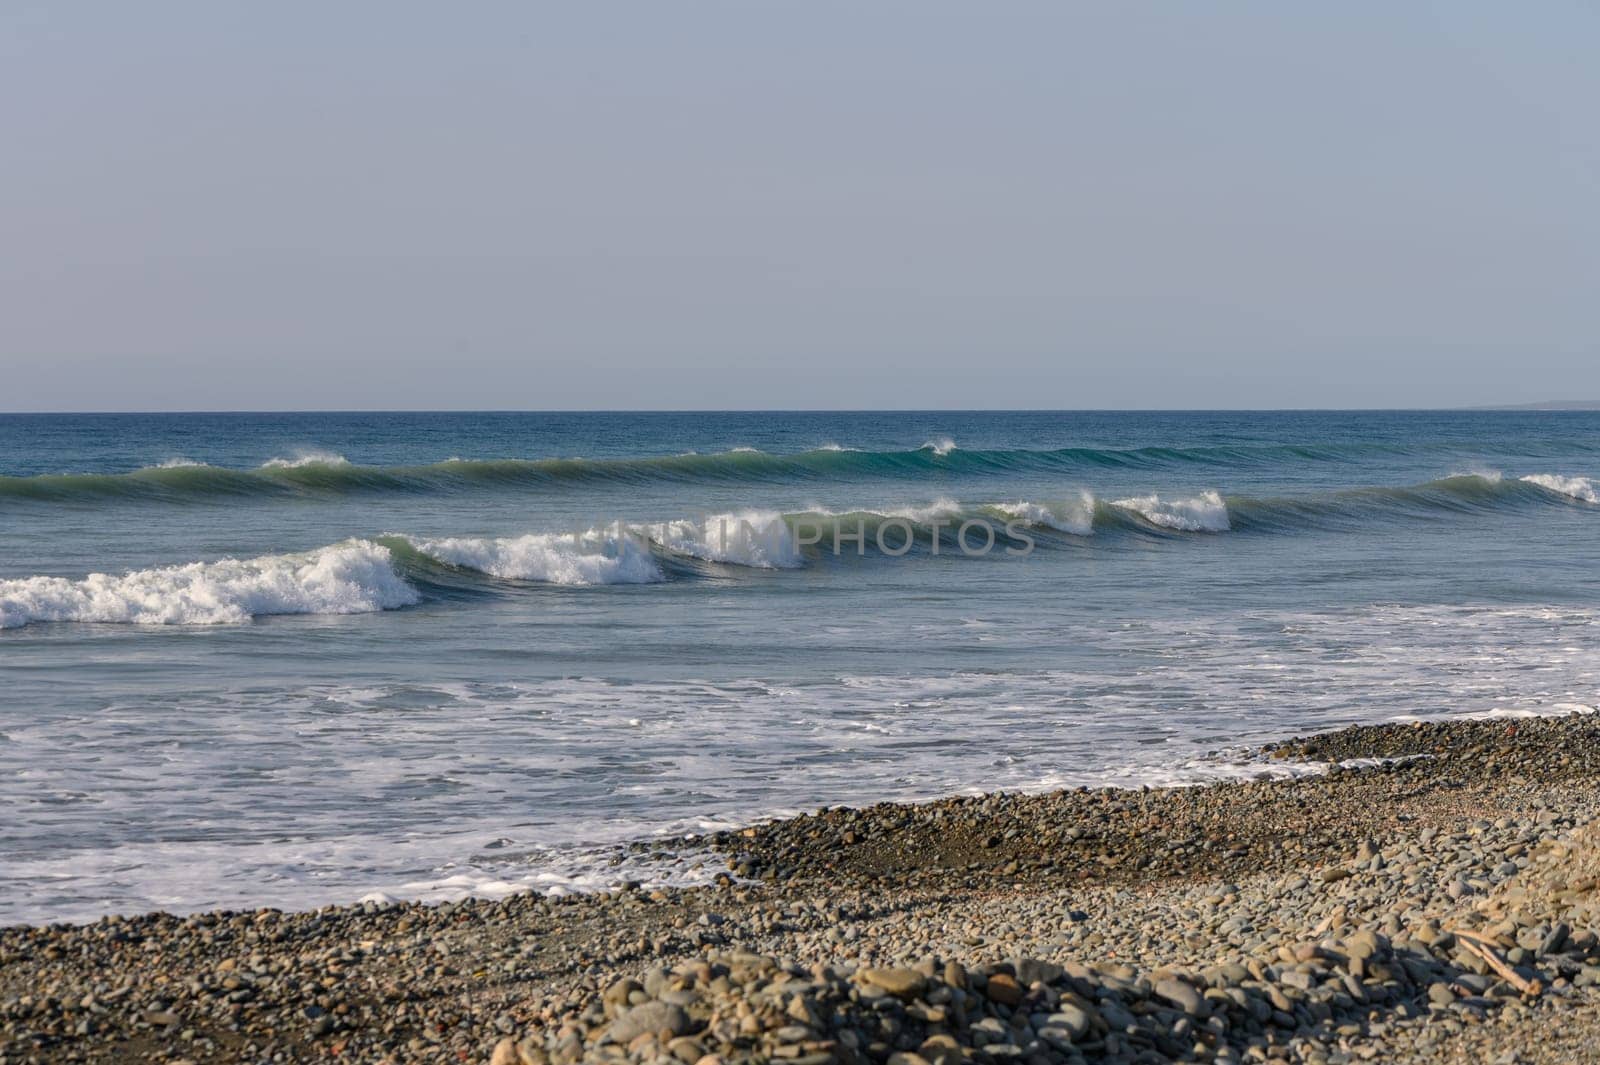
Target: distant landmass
[{"x": 1554, "y": 404}]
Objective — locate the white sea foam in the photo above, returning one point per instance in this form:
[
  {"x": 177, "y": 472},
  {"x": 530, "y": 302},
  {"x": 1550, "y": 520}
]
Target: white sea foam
[
  {"x": 306, "y": 458},
  {"x": 831, "y": 446},
  {"x": 1580, "y": 488},
  {"x": 176, "y": 463},
  {"x": 1205, "y": 512},
  {"x": 592, "y": 557},
  {"x": 939, "y": 445},
  {"x": 942, "y": 507},
  {"x": 466, "y": 787},
  {"x": 760, "y": 539},
  {"x": 1074, "y": 516},
  {"x": 1516, "y": 712},
  {"x": 353, "y": 577}
]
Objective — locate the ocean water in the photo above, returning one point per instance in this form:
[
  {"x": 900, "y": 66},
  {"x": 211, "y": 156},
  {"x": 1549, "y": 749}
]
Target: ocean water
[{"x": 298, "y": 659}]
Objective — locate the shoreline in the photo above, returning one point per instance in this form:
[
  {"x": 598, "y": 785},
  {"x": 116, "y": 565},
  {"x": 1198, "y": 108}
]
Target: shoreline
[
  {"x": 1019, "y": 892},
  {"x": 671, "y": 857}
]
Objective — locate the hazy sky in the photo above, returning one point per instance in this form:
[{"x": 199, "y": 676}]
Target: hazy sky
[{"x": 759, "y": 204}]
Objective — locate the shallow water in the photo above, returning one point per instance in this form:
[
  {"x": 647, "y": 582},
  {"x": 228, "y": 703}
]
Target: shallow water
[{"x": 333, "y": 654}]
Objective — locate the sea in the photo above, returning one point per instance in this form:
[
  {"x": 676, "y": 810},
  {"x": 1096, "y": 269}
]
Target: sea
[{"x": 301, "y": 659}]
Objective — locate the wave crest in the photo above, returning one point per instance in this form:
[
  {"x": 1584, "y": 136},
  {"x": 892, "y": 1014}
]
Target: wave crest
[
  {"x": 354, "y": 577},
  {"x": 1205, "y": 512},
  {"x": 587, "y": 558},
  {"x": 1579, "y": 488},
  {"x": 1075, "y": 516},
  {"x": 326, "y": 473},
  {"x": 306, "y": 458},
  {"x": 757, "y": 539}
]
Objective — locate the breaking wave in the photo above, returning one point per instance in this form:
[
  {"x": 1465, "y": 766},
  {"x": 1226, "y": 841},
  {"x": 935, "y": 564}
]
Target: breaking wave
[
  {"x": 324, "y": 473},
  {"x": 362, "y": 576},
  {"x": 635, "y": 554},
  {"x": 1579, "y": 488},
  {"x": 591, "y": 557},
  {"x": 353, "y": 577},
  {"x": 1075, "y": 516},
  {"x": 1202, "y": 513},
  {"x": 306, "y": 458},
  {"x": 755, "y": 539}
]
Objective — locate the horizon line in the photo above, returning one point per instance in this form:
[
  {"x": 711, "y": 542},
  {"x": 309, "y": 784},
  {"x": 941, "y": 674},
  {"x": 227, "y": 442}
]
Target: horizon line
[{"x": 1556, "y": 406}]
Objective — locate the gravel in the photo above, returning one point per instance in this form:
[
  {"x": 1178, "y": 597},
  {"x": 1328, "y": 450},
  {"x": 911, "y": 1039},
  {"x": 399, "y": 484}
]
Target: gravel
[{"x": 1433, "y": 900}]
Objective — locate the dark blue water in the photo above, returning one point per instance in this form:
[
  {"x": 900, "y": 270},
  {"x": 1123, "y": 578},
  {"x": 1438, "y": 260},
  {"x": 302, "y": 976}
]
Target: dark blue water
[{"x": 291, "y": 659}]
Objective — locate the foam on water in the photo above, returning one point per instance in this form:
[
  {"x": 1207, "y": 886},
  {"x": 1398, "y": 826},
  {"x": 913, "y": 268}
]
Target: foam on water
[
  {"x": 505, "y": 735},
  {"x": 349, "y": 578},
  {"x": 758, "y": 539},
  {"x": 1205, "y": 512},
  {"x": 1074, "y": 516},
  {"x": 939, "y": 508},
  {"x": 1520, "y": 712},
  {"x": 232, "y": 590},
  {"x": 306, "y": 458},
  {"x": 591, "y": 557},
  {"x": 942, "y": 509},
  {"x": 488, "y": 788},
  {"x": 1579, "y": 488}
]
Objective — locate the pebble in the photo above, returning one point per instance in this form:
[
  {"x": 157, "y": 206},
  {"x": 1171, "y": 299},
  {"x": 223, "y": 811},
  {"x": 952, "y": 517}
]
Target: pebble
[{"x": 1081, "y": 925}]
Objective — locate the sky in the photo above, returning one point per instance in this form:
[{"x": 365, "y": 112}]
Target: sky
[{"x": 519, "y": 205}]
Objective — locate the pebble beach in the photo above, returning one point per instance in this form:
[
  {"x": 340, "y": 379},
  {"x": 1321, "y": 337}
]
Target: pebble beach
[
  {"x": 546, "y": 534},
  {"x": 1430, "y": 895}
]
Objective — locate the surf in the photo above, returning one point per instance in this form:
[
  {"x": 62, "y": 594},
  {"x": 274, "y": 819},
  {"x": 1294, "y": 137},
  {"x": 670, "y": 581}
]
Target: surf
[
  {"x": 354, "y": 577},
  {"x": 324, "y": 473},
  {"x": 395, "y": 570}
]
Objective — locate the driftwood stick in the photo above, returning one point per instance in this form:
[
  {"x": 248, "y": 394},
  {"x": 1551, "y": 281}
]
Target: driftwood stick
[
  {"x": 1476, "y": 937},
  {"x": 1486, "y": 950}
]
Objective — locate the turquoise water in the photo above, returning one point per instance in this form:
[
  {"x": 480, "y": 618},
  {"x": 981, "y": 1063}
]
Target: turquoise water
[{"x": 294, "y": 659}]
